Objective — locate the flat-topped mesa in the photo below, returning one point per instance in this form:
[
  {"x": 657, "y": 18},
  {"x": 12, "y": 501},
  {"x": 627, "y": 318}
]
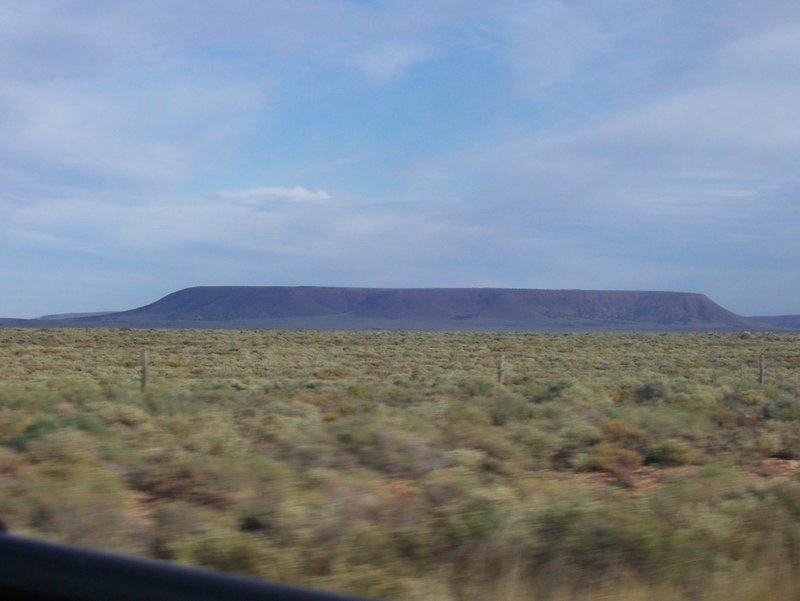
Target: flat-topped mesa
[{"x": 456, "y": 307}]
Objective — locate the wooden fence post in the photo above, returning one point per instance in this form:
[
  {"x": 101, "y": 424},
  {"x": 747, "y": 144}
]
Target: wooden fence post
[
  {"x": 761, "y": 366},
  {"x": 144, "y": 370},
  {"x": 501, "y": 367}
]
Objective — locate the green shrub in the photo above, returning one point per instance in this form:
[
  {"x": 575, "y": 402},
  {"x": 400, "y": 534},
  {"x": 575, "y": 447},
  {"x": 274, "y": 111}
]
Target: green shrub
[
  {"x": 509, "y": 408},
  {"x": 607, "y": 456},
  {"x": 40, "y": 428},
  {"x": 477, "y": 387},
  {"x": 223, "y": 549},
  {"x": 671, "y": 452},
  {"x": 623, "y": 433},
  {"x": 652, "y": 393},
  {"x": 540, "y": 446},
  {"x": 786, "y": 410}
]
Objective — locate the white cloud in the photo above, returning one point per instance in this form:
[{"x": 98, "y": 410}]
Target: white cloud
[
  {"x": 384, "y": 61},
  {"x": 264, "y": 194},
  {"x": 546, "y": 42},
  {"x": 768, "y": 52}
]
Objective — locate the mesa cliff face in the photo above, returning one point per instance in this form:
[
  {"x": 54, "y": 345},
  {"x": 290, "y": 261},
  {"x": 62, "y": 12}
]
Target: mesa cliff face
[{"x": 429, "y": 308}]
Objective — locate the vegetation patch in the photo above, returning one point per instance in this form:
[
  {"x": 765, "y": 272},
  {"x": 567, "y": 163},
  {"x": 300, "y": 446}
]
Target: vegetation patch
[{"x": 396, "y": 465}]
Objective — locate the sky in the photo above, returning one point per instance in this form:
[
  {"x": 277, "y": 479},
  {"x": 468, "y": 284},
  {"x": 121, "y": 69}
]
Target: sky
[{"x": 152, "y": 145}]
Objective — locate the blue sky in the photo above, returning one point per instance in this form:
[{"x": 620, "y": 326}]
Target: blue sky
[{"x": 151, "y": 145}]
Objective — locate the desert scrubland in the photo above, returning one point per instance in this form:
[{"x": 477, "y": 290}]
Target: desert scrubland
[{"x": 395, "y": 464}]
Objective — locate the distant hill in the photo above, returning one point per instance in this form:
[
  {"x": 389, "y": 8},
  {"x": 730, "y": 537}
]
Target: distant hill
[
  {"x": 6, "y": 322},
  {"x": 427, "y": 308},
  {"x": 785, "y": 321}
]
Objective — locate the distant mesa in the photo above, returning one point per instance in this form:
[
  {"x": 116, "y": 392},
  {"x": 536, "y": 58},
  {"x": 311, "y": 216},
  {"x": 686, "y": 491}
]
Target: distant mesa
[
  {"x": 428, "y": 309},
  {"x": 487, "y": 309}
]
